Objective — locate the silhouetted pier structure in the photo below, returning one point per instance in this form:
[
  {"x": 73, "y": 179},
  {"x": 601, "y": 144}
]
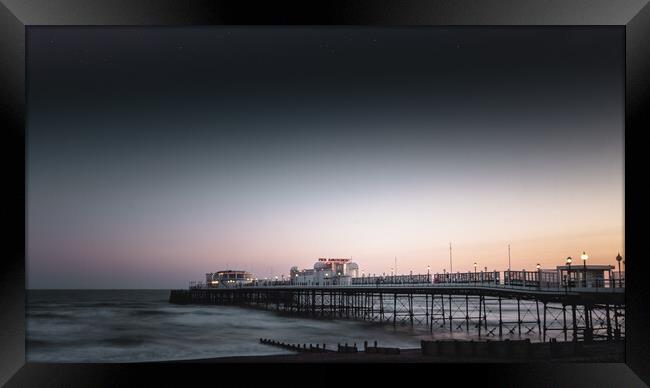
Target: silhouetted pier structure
[{"x": 486, "y": 308}]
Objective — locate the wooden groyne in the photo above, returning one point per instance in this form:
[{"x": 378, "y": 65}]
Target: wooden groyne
[
  {"x": 345, "y": 348},
  {"x": 296, "y": 347}
]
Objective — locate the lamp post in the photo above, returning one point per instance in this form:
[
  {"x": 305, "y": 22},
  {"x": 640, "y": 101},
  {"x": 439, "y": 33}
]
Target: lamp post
[
  {"x": 584, "y": 258},
  {"x": 474, "y": 272},
  {"x": 444, "y": 275},
  {"x": 568, "y": 262},
  {"x": 451, "y": 268},
  {"x": 428, "y": 274},
  {"x": 619, "y": 258},
  {"x": 539, "y": 277}
]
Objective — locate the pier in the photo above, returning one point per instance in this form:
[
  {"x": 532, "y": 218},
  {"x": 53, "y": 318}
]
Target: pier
[{"x": 486, "y": 309}]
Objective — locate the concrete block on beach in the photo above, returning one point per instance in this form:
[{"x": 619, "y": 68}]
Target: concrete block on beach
[
  {"x": 520, "y": 349},
  {"x": 447, "y": 348},
  {"x": 482, "y": 349},
  {"x": 465, "y": 348},
  {"x": 429, "y": 348}
]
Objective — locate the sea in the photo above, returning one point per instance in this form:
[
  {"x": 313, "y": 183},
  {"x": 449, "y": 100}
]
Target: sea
[{"x": 122, "y": 326}]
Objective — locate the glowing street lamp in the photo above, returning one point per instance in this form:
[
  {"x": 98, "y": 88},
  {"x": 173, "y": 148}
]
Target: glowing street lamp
[
  {"x": 619, "y": 258},
  {"x": 428, "y": 273},
  {"x": 584, "y": 258},
  {"x": 539, "y": 277},
  {"x": 568, "y": 262}
]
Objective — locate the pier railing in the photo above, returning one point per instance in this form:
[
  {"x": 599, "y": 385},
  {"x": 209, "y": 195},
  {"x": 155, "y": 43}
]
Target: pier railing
[
  {"x": 550, "y": 290},
  {"x": 607, "y": 286}
]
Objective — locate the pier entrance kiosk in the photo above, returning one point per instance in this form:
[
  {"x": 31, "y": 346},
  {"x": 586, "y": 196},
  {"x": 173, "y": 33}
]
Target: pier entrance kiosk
[{"x": 593, "y": 276}]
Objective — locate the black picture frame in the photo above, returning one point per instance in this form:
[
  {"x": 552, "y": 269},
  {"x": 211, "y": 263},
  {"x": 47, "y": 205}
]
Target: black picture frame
[{"x": 18, "y": 15}]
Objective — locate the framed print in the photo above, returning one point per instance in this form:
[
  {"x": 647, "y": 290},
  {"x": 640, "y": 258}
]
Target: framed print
[{"x": 205, "y": 189}]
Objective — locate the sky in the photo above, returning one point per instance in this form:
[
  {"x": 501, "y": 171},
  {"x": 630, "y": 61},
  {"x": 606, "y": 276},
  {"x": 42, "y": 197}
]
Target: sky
[{"x": 155, "y": 155}]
